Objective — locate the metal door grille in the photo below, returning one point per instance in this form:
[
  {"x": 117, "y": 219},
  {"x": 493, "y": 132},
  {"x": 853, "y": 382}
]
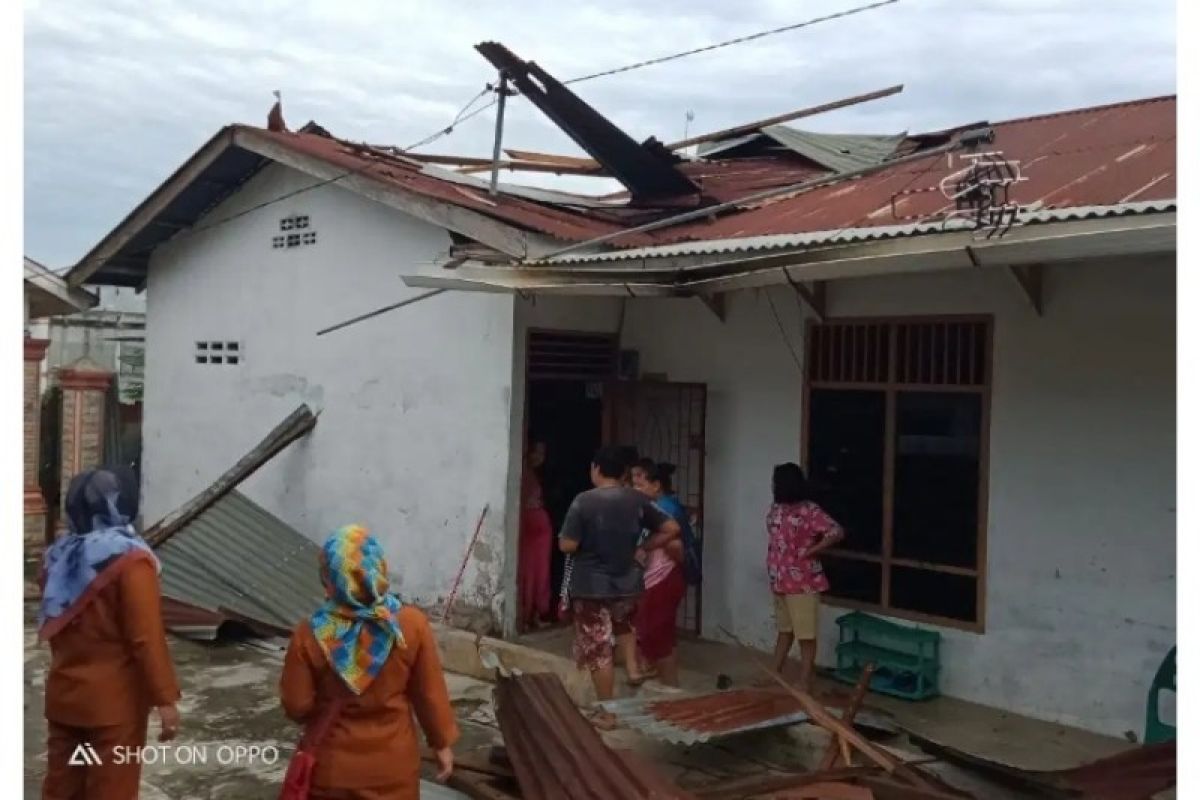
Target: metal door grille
[{"x": 665, "y": 422}]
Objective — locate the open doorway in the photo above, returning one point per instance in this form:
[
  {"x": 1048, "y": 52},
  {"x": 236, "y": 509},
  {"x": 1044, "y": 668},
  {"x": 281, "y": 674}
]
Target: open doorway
[
  {"x": 567, "y": 418},
  {"x": 566, "y": 373}
]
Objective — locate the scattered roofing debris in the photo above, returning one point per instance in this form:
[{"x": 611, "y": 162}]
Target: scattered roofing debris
[
  {"x": 704, "y": 718},
  {"x": 558, "y": 755},
  {"x": 834, "y": 152},
  {"x": 701, "y": 719},
  {"x": 1136, "y": 774},
  {"x": 213, "y": 547},
  {"x": 297, "y": 424},
  {"x": 647, "y": 170},
  {"x": 213, "y": 572}
]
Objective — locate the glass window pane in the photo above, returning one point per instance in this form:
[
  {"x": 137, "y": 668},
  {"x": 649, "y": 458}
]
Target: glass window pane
[
  {"x": 852, "y": 579},
  {"x": 845, "y": 458},
  {"x": 935, "y": 509},
  {"x": 936, "y": 593}
]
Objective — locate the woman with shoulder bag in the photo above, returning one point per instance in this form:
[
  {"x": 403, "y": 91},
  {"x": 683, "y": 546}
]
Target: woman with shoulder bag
[{"x": 355, "y": 674}]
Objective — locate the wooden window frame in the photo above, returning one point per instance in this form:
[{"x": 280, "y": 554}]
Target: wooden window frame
[{"x": 890, "y": 390}]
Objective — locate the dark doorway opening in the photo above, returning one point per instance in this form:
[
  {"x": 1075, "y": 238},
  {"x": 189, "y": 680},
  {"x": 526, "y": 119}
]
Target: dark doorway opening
[{"x": 566, "y": 415}]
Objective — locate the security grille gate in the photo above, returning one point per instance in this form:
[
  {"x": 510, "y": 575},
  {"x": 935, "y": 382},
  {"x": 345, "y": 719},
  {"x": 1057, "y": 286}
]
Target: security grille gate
[{"x": 665, "y": 422}]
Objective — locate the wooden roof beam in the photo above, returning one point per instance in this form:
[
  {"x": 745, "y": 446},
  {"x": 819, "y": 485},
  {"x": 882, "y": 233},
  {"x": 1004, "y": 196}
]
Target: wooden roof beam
[{"x": 751, "y": 127}]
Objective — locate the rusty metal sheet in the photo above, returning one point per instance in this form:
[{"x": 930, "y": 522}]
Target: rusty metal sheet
[
  {"x": 1101, "y": 156},
  {"x": 558, "y": 221},
  {"x": 558, "y": 755}
]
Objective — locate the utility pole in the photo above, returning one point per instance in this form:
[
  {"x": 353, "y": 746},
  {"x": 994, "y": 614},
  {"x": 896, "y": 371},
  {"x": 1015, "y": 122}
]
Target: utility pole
[{"x": 503, "y": 91}]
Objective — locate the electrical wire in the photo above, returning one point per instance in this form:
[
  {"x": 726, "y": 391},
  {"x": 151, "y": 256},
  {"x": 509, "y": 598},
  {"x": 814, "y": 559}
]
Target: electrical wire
[
  {"x": 459, "y": 118},
  {"x": 663, "y": 59},
  {"x": 783, "y": 331},
  {"x": 729, "y": 42}
]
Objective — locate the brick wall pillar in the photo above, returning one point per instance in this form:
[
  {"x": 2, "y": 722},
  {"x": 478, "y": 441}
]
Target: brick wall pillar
[
  {"x": 35, "y": 504},
  {"x": 84, "y": 386}
]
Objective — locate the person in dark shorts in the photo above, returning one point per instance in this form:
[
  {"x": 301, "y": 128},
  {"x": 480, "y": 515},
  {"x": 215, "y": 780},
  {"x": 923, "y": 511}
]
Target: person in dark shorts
[{"x": 601, "y": 533}]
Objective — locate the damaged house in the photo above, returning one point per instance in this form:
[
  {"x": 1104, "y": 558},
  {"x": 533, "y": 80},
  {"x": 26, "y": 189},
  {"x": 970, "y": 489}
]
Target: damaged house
[{"x": 968, "y": 336}]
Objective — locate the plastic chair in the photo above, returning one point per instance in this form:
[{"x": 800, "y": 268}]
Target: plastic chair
[{"x": 1164, "y": 680}]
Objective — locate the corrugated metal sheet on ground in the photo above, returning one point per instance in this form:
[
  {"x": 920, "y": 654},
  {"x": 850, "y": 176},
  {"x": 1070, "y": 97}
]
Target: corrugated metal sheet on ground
[
  {"x": 558, "y": 755},
  {"x": 635, "y": 713},
  {"x": 238, "y": 560}
]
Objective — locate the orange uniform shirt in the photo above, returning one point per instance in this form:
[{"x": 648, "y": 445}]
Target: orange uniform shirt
[
  {"x": 374, "y": 741},
  {"x": 110, "y": 665}
]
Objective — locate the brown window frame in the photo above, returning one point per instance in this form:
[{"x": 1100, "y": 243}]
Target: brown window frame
[{"x": 890, "y": 389}]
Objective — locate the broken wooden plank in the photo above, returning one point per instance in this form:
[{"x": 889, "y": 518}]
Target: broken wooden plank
[
  {"x": 535, "y": 166},
  {"x": 828, "y": 791},
  {"x": 550, "y": 158},
  {"x": 297, "y": 424},
  {"x": 886, "y": 788},
  {"x": 751, "y": 127},
  {"x": 755, "y": 785},
  {"x": 852, "y": 707},
  {"x": 820, "y": 716}
]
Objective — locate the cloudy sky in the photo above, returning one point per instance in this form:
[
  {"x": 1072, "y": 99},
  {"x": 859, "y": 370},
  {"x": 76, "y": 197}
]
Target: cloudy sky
[{"x": 118, "y": 93}]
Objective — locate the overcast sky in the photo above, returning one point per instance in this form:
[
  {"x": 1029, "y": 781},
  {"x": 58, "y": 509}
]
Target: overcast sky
[{"x": 118, "y": 93}]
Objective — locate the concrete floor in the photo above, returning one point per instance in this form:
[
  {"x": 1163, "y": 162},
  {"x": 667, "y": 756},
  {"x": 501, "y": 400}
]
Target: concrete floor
[{"x": 230, "y": 697}]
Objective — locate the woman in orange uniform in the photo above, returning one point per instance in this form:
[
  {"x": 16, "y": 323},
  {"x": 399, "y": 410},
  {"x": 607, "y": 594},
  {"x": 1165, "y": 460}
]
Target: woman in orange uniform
[
  {"x": 379, "y": 660},
  {"x": 109, "y": 664}
]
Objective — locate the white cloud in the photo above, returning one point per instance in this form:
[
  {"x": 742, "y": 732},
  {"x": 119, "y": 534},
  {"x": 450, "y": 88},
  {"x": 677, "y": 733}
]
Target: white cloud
[{"x": 119, "y": 93}]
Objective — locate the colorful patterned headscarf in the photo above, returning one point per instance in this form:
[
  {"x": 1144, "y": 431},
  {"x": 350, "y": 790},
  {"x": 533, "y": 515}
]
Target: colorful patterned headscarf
[{"x": 359, "y": 624}]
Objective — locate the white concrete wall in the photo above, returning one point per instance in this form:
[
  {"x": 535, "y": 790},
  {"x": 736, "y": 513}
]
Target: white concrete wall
[
  {"x": 1081, "y": 525},
  {"x": 415, "y": 405}
]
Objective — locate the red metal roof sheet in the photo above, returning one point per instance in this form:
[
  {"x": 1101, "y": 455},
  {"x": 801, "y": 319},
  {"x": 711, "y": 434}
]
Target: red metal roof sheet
[
  {"x": 558, "y": 755},
  {"x": 557, "y": 221},
  {"x": 1088, "y": 157}
]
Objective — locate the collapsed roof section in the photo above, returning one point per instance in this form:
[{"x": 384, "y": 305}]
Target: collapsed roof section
[{"x": 647, "y": 170}]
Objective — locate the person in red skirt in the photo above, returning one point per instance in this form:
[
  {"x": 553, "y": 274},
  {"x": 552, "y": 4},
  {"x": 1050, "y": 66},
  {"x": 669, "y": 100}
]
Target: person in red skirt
[
  {"x": 536, "y": 544},
  {"x": 655, "y": 620}
]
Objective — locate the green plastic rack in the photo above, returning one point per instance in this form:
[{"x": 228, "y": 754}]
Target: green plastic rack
[{"x": 906, "y": 659}]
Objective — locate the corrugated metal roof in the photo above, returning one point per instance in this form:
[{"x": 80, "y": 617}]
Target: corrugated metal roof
[
  {"x": 747, "y": 244},
  {"x": 1108, "y": 156},
  {"x": 237, "y": 560},
  {"x": 1103, "y": 156}
]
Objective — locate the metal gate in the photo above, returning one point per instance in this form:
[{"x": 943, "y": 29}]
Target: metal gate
[{"x": 665, "y": 422}]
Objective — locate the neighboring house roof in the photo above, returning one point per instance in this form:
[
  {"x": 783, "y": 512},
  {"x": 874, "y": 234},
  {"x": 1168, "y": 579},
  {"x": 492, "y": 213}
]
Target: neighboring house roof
[
  {"x": 1108, "y": 156},
  {"x": 50, "y": 296},
  {"x": 237, "y": 562}
]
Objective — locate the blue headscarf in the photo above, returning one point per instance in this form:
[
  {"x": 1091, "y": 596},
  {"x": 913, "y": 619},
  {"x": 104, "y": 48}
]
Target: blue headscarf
[{"x": 100, "y": 507}]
